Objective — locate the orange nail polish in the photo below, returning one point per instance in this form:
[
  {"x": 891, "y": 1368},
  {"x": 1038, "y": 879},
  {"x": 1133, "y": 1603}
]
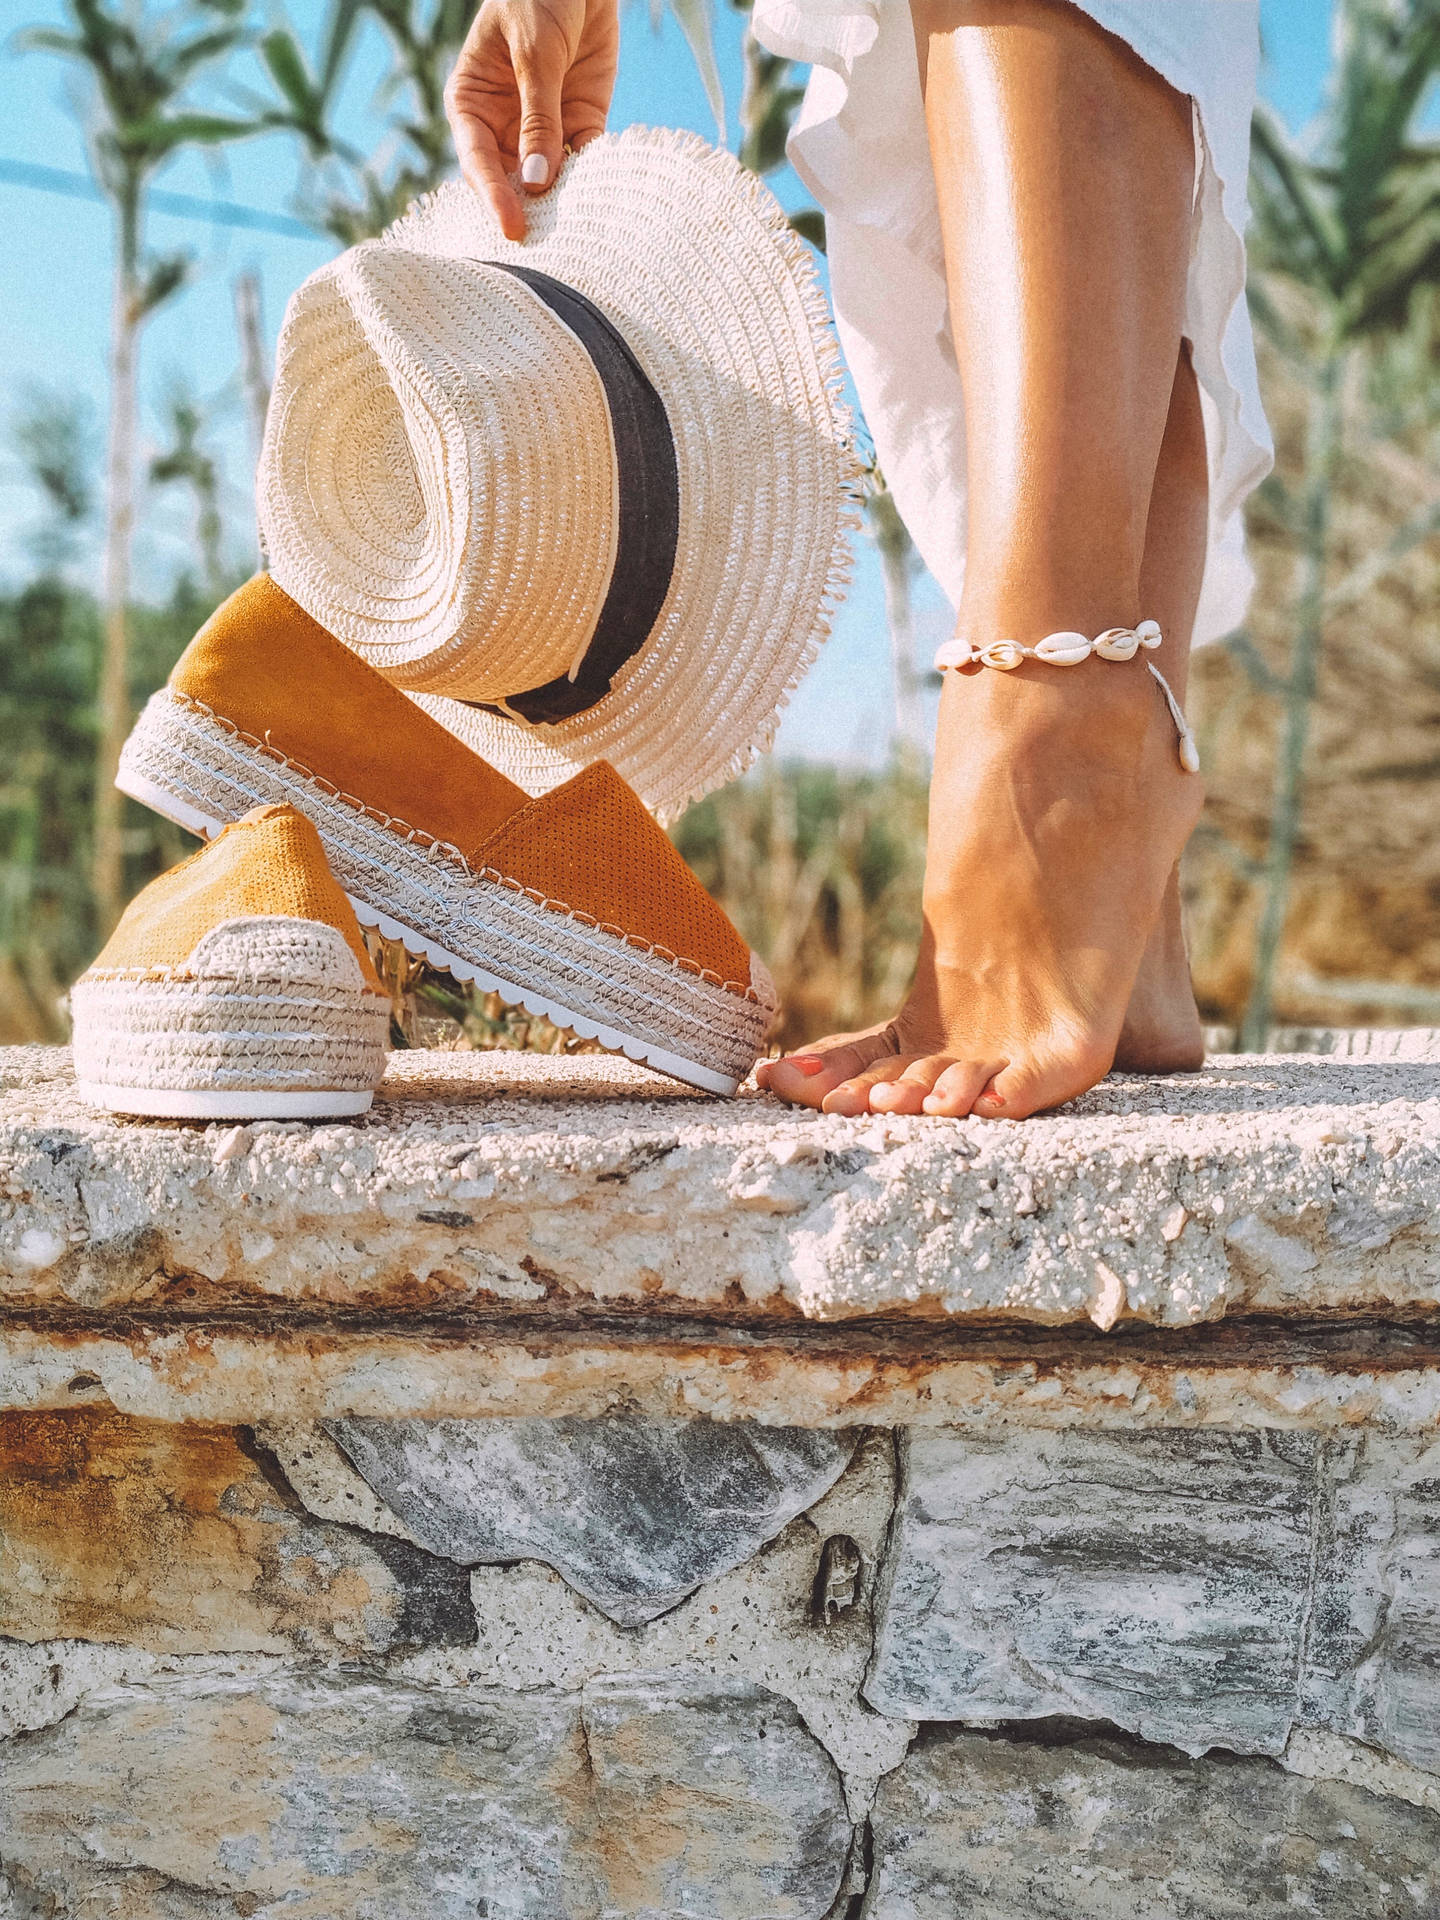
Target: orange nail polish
[{"x": 807, "y": 1063}]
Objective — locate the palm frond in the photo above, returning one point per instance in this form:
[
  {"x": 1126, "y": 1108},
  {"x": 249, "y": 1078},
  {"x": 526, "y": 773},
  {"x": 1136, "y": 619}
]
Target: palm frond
[{"x": 693, "y": 19}]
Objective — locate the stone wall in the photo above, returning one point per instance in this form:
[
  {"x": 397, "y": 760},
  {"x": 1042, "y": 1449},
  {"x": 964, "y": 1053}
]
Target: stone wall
[
  {"x": 1046, "y": 1532},
  {"x": 626, "y": 1667}
]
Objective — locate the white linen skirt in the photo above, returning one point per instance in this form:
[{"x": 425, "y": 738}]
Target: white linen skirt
[{"x": 860, "y": 146}]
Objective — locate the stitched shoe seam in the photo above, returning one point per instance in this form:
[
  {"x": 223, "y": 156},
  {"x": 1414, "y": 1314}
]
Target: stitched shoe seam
[{"x": 417, "y": 836}]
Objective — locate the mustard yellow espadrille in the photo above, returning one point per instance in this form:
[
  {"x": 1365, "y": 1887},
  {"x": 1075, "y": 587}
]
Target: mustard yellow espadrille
[
  {"x": 236, "y": 987},
  {"x": 575, "y": 905}
]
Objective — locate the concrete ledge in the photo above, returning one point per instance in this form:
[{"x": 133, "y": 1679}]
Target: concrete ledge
[
  {"x": 514, "y": 1235},
  {"x": 889, "y": 1521}
]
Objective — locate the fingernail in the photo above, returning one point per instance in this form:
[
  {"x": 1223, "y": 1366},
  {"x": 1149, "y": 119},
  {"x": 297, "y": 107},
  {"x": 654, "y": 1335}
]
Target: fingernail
[
  {"x": 535, "y": 170},
  {"x": 807, "y": 1063}
]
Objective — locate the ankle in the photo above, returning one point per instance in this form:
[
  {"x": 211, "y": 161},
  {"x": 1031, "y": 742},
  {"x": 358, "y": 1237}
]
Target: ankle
[
  {"x": 1027, "y": 600},
  {"x": 1098, "y": 711}
]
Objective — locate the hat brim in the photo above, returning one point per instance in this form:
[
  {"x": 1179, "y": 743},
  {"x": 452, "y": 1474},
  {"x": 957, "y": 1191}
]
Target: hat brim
[{"x": 692, "y": 258}]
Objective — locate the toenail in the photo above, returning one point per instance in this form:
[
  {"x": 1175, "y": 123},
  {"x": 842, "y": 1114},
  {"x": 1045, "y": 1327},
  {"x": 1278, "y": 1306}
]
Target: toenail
[{"x": 806, "y": 1063}]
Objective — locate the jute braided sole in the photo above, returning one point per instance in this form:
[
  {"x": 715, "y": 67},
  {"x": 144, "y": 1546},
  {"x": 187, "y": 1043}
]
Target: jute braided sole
[
  {"x": 210, "y": 1047},
  {"x": 190, "y": 766}
]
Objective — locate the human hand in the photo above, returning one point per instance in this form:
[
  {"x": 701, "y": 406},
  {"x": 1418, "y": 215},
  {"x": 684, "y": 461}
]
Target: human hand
[{"x": 533, "y": 77}]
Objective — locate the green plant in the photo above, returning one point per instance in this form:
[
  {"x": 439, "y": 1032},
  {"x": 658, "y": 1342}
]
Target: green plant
[{"x": 142, "y": 67}]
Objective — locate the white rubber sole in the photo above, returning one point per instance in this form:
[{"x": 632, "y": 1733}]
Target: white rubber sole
[
  {"x": 706, "y": 1079},
  {"x": 196, "y": 1103}
]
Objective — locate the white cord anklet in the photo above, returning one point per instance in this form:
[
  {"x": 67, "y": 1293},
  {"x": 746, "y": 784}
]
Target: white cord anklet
[{"x": 1068, "y": 650}]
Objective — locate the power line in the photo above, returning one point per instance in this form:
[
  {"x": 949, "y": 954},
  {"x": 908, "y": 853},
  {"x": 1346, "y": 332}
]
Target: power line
[{"x": 186, "y": 206}]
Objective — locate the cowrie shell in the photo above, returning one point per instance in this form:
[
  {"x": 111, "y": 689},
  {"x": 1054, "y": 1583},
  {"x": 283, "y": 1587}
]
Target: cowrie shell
[
  {"x": 1148, "y": 633},
  {"x": 1004, "y": 654},
  {"x": 1063, "y": 649},
  {"x": 1117, "y": 643},
  {"x": 1189, "y": 753}
]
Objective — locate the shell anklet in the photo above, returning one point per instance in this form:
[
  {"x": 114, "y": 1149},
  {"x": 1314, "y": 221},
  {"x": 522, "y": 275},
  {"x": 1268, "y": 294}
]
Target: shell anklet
[{"x": 1068, "y": 650}]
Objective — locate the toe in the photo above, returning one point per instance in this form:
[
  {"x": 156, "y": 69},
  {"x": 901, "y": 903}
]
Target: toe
[
  {"x": 859, "y": 1093},
  {"x": 956, "y": 1089},
  {"x": 808, "y": 1079},
  {"x": 1033, "y": 1085},
  {"x": 908, "y": 1092}
]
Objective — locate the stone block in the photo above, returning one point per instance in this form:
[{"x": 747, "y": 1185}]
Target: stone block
[
  {"x": 765, "y": 1622},
  {"x": 713, "y": 1802},
  {"x": 1158, "y": 1581},
  {"x": 483, "y": 1180},
  {"x": 990, "y": 1827},
  {"x": 1202, "y": 1588},
  {"x": 349, "y": 1797},
  {"x": 310, "y": 1793},
  {"x": 1393, "y": 1589},
  {"x": 43, "y": 1680},
  {"x": 176, "y": 1539},
  {"x": 634, "y": 1513}
]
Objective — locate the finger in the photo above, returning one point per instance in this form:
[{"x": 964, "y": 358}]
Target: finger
[
  {"x": 540, "y": 72},
  {"x": 583, "y": 119},
  {"x": 484, "y": 170}
]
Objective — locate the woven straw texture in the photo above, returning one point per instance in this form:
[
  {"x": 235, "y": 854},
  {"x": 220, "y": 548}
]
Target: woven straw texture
[
  {"x": 423, "y": 494},
  {"x": 437, "y": 455},
  {"x": 294, "y": 1017},
  {"x": 484, "y": 918}
]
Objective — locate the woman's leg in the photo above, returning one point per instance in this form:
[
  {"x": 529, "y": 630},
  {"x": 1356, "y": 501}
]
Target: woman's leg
[
  {"x": 1161, "y": 1033},
  {"x": 1058, "y": 806}
]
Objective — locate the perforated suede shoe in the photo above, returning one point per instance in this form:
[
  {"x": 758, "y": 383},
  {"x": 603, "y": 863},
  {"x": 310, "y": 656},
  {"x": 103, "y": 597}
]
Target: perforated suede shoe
[
  {"x": 575, "y": 906},
  {"x": 236, "y": 987}
]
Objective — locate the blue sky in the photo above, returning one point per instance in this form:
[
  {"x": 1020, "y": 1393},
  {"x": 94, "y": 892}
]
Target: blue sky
[{"x": 54, "y": 300}]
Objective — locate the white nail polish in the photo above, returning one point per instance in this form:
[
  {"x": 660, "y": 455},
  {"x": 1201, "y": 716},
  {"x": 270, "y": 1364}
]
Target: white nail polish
[{"x": 536, "y": 170}]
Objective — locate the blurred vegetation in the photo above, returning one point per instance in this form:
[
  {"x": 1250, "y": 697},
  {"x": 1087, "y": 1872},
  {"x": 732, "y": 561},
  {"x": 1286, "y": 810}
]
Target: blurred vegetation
[
  {"x": 1319, "y": 724},
  {"x": 821, "y": 871},
  {"x": 143, "y": 67}
]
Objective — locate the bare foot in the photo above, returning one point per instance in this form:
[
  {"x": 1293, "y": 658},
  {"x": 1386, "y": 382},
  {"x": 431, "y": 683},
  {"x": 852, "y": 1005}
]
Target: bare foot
[
  {"x": 1161, "y": 1031},
  {"x": 1058, "y": 810}
]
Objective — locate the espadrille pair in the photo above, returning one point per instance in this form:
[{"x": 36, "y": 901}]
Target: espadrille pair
[{"x": 552, "y": 531}]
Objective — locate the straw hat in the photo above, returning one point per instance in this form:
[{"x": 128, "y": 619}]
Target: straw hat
[{"x": 583, "y": 497}]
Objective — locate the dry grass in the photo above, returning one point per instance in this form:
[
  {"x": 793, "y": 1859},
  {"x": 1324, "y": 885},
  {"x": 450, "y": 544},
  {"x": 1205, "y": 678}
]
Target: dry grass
[
  {"x": 821, "y": 872},
  {"x": 1365, "y": 905}
]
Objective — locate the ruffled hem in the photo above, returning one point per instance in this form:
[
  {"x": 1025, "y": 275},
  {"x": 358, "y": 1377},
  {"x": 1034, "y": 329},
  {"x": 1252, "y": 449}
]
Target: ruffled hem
[{"x": 860, "y": 146}]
